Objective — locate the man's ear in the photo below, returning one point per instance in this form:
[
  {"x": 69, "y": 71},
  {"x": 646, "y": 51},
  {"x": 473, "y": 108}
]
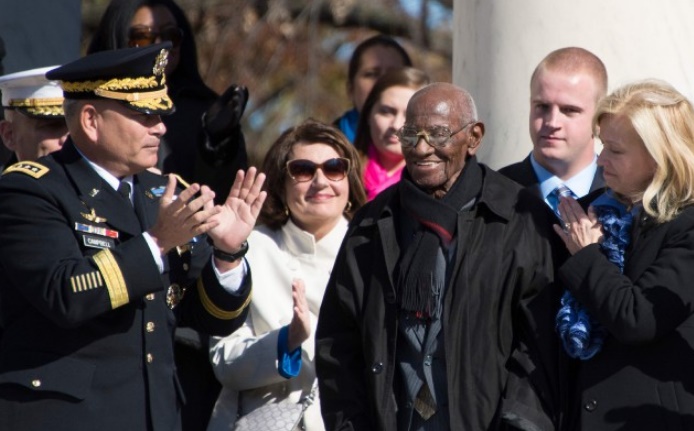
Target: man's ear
[
  {"x": 476, "y": 135},
  {"x": 89, "y": 121},
  {"x": 7, "y": 134}
]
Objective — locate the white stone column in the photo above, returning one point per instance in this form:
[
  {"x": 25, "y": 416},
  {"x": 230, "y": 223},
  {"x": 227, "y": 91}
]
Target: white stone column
[{"x": 498, "y": 43}]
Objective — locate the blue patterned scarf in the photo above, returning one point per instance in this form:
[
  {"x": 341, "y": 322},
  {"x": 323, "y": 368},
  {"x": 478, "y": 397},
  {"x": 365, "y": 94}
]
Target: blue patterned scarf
[{"x": 581, "y": 335}]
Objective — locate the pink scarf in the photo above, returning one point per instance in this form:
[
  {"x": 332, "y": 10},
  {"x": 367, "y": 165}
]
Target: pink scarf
[{"x": 376, "y": 178}]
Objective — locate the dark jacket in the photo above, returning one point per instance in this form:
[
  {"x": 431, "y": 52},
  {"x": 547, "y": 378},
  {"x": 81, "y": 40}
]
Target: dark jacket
[
  {"x": 88, "y": 341},
  {"x": 503, "y": 260},
  {"x": 643, "y": 378},
  {"x": 524, "y": 174},
  {"x": 552, "y": 370}
]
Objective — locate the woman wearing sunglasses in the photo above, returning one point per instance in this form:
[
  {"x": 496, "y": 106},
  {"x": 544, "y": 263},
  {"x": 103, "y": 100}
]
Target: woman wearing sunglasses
[
  {"x": 313, "y": 189},
  {"x": 382, "y": 116},
  {"x": 203, "y": 142},
  {"x": 628, "y": 314}
]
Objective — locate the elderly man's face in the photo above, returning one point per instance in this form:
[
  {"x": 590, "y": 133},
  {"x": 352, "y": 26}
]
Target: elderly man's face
[{"x": 435, "y": 169}]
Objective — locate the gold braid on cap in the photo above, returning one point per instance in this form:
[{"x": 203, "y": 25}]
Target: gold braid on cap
[
  {"x": 49, "y": 107},
  {"x": 111, "y": 85},
  {"x": 158, "y": 104},
  {"x": 47, "y": 111},
  {"x": 31, "y": 103},
  {"x": 155, "y": 99}
]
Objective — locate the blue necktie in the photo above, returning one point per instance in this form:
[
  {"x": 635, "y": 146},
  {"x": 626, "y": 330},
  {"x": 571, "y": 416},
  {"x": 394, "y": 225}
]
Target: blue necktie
[{"x": 553, "y": 197}]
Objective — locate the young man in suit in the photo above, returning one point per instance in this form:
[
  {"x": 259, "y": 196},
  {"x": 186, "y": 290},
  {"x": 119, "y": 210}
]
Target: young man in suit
[{"x": 564, "y": 91}]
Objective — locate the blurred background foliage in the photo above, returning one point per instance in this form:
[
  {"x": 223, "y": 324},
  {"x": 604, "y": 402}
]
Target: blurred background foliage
[{"x": 293, "y": 55}]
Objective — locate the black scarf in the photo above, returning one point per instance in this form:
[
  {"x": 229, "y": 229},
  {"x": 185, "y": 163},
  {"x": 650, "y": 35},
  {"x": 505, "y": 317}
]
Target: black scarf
[{"x": 420, "y": 284}]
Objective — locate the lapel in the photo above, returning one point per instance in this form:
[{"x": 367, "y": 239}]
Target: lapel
[
  {"x": 390, "y": 248},
  {"x": 598, "y": 180},
  {"x": 528, "y": 178},
  {"x": 99, "y": 199}
]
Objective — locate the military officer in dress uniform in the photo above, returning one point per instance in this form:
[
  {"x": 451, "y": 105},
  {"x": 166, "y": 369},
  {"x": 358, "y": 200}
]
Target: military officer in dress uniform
[
  {"x": 99, "y": 259},
  {"x": 33, "y": 124}
]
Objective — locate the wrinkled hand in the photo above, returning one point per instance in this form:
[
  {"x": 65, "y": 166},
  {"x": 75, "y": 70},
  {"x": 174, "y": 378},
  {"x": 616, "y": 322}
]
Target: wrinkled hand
[
  {"x": 580, "y": 229},
  {"x": 236, "y": 218},
  {"x": 300, "y": 326},
  {"x": 181, "y": 219},
  {"x": 226, "y": 112}
]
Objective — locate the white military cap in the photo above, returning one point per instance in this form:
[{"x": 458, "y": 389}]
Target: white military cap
[{"x": 30, "y": 92}]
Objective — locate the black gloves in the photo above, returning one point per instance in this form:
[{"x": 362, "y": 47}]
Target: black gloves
[
  {"x": 225, "y": 113},
  {"x": 222, "y": 125}
]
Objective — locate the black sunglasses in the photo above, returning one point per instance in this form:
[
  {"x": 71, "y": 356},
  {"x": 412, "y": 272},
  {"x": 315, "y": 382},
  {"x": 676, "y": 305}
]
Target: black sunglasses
[
  {"x": 142, "y": 35},
  {"x": 302, "y": 170}
]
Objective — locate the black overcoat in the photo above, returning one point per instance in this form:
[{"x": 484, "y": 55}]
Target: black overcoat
[
  {"x": 643, "y": 378},
  {"x": 503, "y": 260}
]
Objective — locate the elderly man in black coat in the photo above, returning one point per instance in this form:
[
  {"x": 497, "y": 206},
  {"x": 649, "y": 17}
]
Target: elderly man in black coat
[{"x": 429, "y": 295}]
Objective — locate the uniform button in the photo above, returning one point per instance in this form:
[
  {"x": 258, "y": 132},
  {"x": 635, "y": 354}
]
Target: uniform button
[
  {"x": 150, "y": 297},
  {"x": 150, "y": 358},
  {"x": 36, "y": 383},
  {"x": 186, "y": 267},
  {"x": 427, "y": 360},
  {"x": 377, "y": 368},
  {"x": 150, "y": 326},
  {"x": 591, "y": 405}
]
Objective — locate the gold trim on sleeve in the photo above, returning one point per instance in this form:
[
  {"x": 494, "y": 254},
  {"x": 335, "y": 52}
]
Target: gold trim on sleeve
[
  {"x": 113, "y": 277},
  {"x": 216, "y": 311}
]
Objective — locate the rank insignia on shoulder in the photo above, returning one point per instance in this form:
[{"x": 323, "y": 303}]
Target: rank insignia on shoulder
[
  {"x": 91, "y": 216},
  {"x": 33, "y": 169}
]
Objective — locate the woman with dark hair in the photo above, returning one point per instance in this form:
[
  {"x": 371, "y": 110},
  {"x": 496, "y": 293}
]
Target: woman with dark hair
[
  {"x": 371, "y": 58},
  {"x": 313, "y": 190},
  {"x": 203, "y": 136},
  {"x": 381, "y": 118}
]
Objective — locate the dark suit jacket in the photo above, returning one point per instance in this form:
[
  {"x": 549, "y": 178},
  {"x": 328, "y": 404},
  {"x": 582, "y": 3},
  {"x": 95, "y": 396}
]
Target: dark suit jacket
[
  {"x": 544, "y": 365},
  {"x": 524, "y": 174},
  {"x": 88, "y": 325}
]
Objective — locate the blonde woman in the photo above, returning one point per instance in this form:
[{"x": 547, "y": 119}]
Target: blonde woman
[{"x": 631, "y": 268}]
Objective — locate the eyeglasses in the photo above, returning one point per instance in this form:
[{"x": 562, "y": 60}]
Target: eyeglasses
[
  {"x": 142, "y": 35},
  {"x": 436, "y": 136},
  {"x": 305, "y": 170}
]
